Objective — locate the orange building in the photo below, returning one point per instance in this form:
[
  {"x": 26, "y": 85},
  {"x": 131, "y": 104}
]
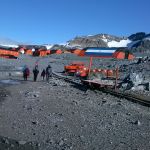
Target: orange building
[
  {"x": 8, "y": 53},
  {"x": 59, "y": 51},
  {"x": 123, "y": 53},
  {"x": 28, "y": 52}
]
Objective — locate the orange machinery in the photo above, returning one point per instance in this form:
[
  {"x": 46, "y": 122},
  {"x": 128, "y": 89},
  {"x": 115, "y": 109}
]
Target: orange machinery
[
  {"x": 84, "y": 72},
  {"x": 79, "y": 69},
  {"x": 109, "y": 73},
  {"x": 75, "y": 67}
]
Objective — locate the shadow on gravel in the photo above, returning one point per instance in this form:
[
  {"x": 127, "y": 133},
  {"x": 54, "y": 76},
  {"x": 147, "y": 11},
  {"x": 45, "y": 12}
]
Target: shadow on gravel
[
  {"x": 82, "y": 88},
  {"x": 7, "y": 143},
  {"x": 9, "y": 82}
]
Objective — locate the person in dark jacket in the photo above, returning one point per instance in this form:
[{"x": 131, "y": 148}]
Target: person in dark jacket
[
  {"x": 43, "y": 74},
  {"x": 48, "y": 72},
  {"x": 35, "y": 73},
  {"x": 26, "y": 73}
]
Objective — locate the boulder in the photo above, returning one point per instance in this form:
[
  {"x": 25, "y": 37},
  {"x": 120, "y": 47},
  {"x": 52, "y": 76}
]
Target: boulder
[{"x": 136, "y": 79}]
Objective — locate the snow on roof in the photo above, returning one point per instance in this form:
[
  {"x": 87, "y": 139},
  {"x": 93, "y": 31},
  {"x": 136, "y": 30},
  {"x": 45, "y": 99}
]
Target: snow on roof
[{"x": 122, "y": 43}]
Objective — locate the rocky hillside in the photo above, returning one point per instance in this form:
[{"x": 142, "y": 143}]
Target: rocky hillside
[
  {"x": 138, "y": 42},
  {"x": 138, "y": 36},
  {"x": 99, "y": 40}
]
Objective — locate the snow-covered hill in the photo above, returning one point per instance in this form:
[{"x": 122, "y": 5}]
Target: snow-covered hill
[{"x": 6, "y": 42}]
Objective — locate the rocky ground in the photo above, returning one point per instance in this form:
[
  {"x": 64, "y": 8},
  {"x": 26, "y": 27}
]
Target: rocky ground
[{"x": 58, "y": 115}]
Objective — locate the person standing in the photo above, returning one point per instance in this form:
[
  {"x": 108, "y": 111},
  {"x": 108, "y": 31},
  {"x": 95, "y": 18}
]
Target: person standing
[
  {"x": 35, "y": 73},
  {"x": 48, "y": 72},
  {"x": 26, "y": 73},
  {"x": 43, "y": 74}
]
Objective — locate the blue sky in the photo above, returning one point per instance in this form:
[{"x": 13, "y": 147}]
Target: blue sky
[{"x": 57, "y": 21}]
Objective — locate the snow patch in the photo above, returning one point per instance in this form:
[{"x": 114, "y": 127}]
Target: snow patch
[
  {"x": 104, "y": 36},
  {"x": 105, "y": 40},
  {"x": 9, "y": 45},
  {"x": 122, "y": 43},
  {"x": 48, "y": 46}
]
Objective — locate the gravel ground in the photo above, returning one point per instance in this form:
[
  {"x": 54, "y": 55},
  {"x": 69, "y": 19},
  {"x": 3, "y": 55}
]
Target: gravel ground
[{"x": 58, "y": 115}]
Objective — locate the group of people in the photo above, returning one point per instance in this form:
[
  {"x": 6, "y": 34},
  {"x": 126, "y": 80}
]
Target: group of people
[{"x": 45, "y": 73}]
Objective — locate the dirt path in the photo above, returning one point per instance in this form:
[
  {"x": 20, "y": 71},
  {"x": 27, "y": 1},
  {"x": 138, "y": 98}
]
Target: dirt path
[{"x": 58, "y": 116}]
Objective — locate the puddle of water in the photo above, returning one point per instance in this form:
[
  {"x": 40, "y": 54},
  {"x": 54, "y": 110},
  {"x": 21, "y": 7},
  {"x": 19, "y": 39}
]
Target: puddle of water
[{"x": 11, "y": 82}]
